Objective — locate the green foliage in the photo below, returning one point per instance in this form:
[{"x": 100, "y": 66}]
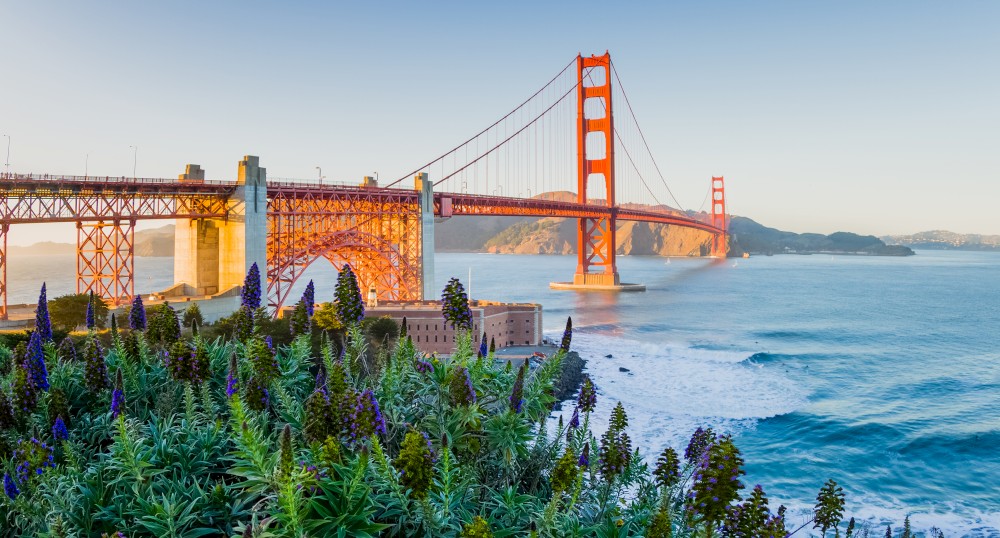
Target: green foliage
[
  {"x": 455, "y": 306},
  {"x": 565, "y": 472},
  {"x": 381, "y": 330},
  {"x": 477, "y": 528},
  {"x": 667, "y": 470},
  {"x": 616, "y": 447},
  {"x": 716, "y": 483},
  {"x": 163, "y": 325},
  {"x": 68, "y": 312},
  {"x": 347, "y": 296},
  {"x": 299, "y": 322},
  {"x": 326, "y": 318},
  {"x": 192, "y": 316},
  {"x": 829, "y": 507},
  {"x": 296, "y": 439}
]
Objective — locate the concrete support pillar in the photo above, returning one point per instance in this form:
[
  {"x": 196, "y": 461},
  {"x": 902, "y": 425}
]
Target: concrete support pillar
[
  {"x": 243, "y": 238},
  {"x": 214, "y": 255},
  {"x": 426, "y": 190}
]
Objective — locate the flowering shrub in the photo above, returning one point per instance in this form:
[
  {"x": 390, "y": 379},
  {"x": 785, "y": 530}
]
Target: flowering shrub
[
  {"x": 416, "y": 464},
  {"x": 567, "y": 336},
  {"x": 250, "y": 294},
  {"x": 137, "y": 315},
  {"x": 296, "y": 441},
  {"x": 347, "y": 297},
  {"x": 43, "y": 324},
  {"x": 455, "y": 306}
]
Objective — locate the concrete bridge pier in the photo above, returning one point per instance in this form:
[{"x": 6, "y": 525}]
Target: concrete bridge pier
[
  {"x": 424, "y": 186},
  {"x": 214, "y": 255}
]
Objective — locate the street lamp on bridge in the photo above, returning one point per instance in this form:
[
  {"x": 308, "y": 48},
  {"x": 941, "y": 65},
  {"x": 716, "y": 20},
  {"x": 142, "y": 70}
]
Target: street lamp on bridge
[
  {"x": 320, "y": 170},
  {"x": 6, "y": 166},
  {"x": 135, "y": 158}
]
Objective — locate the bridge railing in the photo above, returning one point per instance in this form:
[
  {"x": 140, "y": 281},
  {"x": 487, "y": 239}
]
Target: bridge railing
[{"x": 117, "y": 180}]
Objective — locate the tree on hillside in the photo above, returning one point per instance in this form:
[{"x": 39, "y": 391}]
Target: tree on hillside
[{"x": 68, "y": 312}]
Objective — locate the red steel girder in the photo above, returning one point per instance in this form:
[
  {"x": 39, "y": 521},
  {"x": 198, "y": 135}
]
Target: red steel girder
[
  {"x": 31, "y": 199},
  {"x": 105, "y": 259},
  {"x": 4, "y": 228},
  {"x": 377, "y": 231}
]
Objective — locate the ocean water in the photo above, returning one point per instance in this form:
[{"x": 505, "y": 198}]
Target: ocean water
[{"x": 881, "y": 373}]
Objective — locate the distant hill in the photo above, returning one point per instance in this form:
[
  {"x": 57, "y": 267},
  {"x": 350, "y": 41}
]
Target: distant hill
[
  {"x": 534, "y": 235},
  {"x": 157, "y": 242},
  {"x": 751, "y": 236},
  {"x": 528, "y": 235},
  {"x": 945, "y": 240}
]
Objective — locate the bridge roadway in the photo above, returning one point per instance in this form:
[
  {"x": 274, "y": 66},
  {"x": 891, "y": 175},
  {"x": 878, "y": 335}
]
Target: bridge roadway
[
  {"x": 385, "y": 233},
  {"x": 40, "y": 198}
]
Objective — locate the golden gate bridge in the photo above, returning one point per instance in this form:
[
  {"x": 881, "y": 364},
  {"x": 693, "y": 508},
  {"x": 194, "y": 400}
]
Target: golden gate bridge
[{"x": 554, "y": 155}]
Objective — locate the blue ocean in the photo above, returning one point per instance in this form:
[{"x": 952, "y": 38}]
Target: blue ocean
[{"x": 881, "y": 373}]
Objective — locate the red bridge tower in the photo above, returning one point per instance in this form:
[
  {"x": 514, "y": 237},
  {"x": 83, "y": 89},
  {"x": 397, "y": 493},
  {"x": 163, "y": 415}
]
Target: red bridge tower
[{"x": 595, "y": 236}]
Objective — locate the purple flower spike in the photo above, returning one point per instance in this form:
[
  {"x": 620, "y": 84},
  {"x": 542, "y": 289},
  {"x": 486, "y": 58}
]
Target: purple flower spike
[
  {"x": 43, "y": 324},
  {"x": 574, "y": 421},
  {"x": 137, "y": 315},
  {"x": 251, "y": 288},
  {"x": 36, "y": 362},
  {"x": 90, "y": 312},
  {"x": 585, "y": 455},
  {"x": 59, "y": 432},
  {"x": 10, "y": 487}
]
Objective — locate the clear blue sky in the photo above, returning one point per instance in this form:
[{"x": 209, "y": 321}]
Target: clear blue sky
[{"x": 873, "y": 117}]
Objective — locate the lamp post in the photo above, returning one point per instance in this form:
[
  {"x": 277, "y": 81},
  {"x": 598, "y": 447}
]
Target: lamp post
[
  {"x": 320, "y": 171},
  {"x": 6, "y": 166},
  {"x": 135, "y": 158}
]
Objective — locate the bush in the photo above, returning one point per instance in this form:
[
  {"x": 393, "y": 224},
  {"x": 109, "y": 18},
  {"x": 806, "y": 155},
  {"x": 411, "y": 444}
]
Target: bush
[
  {"x": 192, "y": 315},
  {"x": 381, "y": 330},
  {"x": 228, "y": 437},
  {"x": 70, "y": 311}
]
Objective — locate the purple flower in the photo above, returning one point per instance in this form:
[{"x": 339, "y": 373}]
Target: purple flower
[
  {"x": 567, "y": 335},
  {"x": 232, "y": 377},
  {"x": 43, "y": 324},
  {"x": 250, "y": 295},
  {"x": 588, "y": 396},
  {"x": 35, "y": 362},
  {"x": 10, "y": 487},
  {"x": 347, "y": 297},
  {"x": 33, "y": 457},
  {"x": 483, "y": 350},
  {"x": 309, "y": 297},
  {"x": 700, "y": 441},
  {"x": 59, "y": 432},
  {"x": 517, "y": 392},
  {"x": 137, "y": 315},
  {"x": 574, "y": 421},
  {"x": 585, "y": 455},
  {"x": 455, "y": 306},
  {"x": 117, "y": 397},
  {"x": 90, "y": 311},
  {"x": 423, "y": 366},
  {"x": 67, "y": 351}
]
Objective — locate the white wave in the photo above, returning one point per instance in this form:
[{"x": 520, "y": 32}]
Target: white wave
[
  {"x": 671, "y": 390},
  {"x": 876, "y": 512}
]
